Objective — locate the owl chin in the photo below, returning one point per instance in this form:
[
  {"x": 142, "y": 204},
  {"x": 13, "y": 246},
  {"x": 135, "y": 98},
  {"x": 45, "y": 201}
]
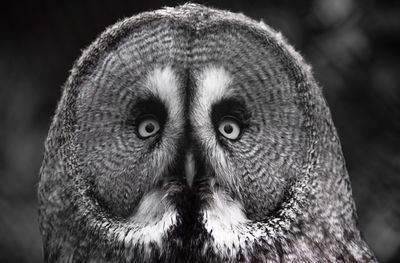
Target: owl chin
[
  {"x": 179, "y": 221},
  {"x": 176, "y": 220}
]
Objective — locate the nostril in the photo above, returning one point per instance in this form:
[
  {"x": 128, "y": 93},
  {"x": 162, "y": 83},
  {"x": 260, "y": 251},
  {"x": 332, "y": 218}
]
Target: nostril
[{"x": 190, "y": 168}]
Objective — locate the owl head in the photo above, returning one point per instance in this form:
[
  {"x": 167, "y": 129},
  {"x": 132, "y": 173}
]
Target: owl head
[{"x": 191, "y": 133}]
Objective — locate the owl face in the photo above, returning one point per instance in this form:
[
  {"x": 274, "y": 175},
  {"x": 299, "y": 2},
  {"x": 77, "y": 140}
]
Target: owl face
[
  {"x": 193, "y": 128},
  {"x": 190, "y": 134}
]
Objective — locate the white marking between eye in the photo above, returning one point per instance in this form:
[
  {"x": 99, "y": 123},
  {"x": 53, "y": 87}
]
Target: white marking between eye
[
  {"x": 163, "y": 83},
  {"x": 212, "y": 84}
]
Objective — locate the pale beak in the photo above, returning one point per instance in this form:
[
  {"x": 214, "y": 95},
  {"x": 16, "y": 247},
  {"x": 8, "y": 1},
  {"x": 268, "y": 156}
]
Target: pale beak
[{"x": 190, "y": 168}]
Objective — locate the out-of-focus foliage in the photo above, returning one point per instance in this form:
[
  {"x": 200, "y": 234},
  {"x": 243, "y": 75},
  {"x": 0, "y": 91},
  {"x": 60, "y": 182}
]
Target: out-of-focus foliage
[{"x": 352, "y": 45}]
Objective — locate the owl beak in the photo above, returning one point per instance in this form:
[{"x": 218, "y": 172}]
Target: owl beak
[{"x": 190, "y": 168}]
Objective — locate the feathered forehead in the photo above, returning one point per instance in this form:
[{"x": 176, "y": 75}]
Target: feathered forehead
[{"x": 184, "y": 21}]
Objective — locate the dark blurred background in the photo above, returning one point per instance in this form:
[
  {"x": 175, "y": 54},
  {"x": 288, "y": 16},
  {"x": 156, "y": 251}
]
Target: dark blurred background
[{"x": 353, "y": 46}]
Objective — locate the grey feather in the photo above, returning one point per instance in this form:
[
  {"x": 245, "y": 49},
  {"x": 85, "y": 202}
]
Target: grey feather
[{"x": 279, "y": 193}]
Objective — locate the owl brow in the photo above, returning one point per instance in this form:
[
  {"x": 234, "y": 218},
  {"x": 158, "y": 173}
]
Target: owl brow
[
  {"x": 150, "y": 105},
  {"x": 234, "y": 107}
]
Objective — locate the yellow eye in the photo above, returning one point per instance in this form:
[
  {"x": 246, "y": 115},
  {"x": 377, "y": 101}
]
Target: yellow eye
[
  {"x": 148, "y": 127},
  {"x": 229, "y": 128}
]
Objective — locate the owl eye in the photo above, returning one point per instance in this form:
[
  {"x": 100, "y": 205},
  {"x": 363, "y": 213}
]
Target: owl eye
[
  {"x": 148, "y": 126},
  {"x": 229, "y": 127}
]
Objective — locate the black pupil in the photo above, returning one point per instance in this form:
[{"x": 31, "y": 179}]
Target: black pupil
[
  {"x": 228, "y": 128},
  {"x": 149, "y": 127}
]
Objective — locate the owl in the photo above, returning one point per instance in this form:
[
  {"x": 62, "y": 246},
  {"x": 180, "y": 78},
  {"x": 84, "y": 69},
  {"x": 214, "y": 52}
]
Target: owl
[{"x": 191, "y": 134}]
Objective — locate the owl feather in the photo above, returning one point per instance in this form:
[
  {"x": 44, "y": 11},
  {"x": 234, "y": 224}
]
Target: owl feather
[{"x": 191, "y": 134}]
